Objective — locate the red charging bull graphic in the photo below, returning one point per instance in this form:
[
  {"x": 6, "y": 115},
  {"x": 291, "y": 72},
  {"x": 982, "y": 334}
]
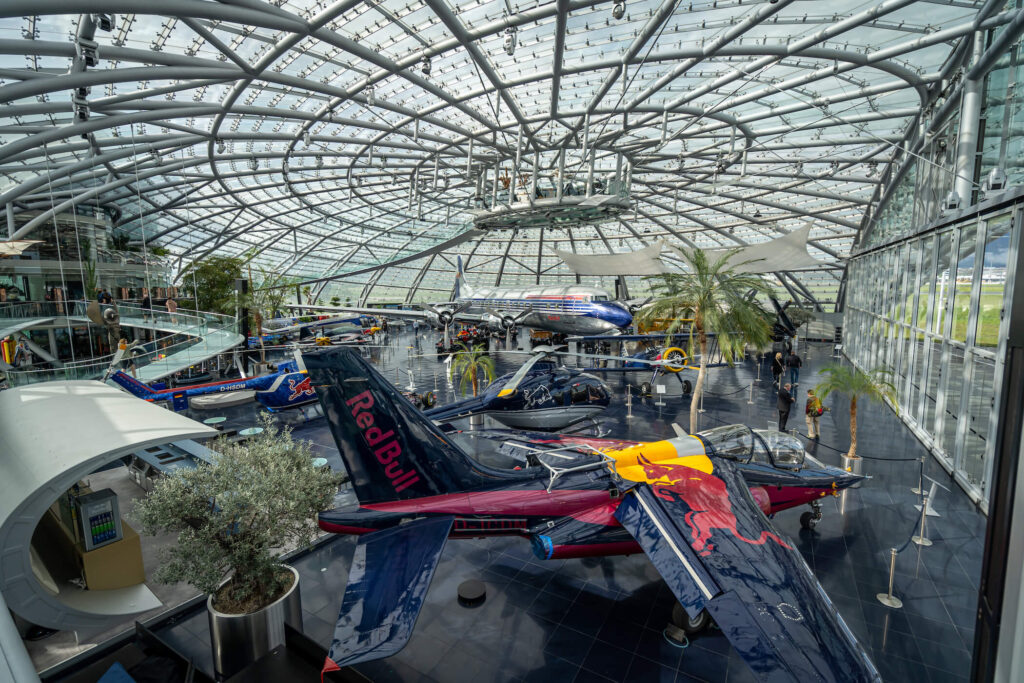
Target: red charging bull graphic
[
  {"x": 300, "y": 388},
  {"x": 708, "y": 499}
]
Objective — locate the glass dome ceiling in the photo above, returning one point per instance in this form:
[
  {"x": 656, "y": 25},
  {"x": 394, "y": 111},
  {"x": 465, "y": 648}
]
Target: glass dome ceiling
[{"x": 323, "y": 138}]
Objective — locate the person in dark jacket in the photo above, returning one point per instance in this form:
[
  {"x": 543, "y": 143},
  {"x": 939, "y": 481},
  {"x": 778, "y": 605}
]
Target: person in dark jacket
[
  {"x": 778, "y": 367},
  {"x": 147, "y": 306},
  {"x": 785, "y": 402},
  {"x": 794, "y": 364}
]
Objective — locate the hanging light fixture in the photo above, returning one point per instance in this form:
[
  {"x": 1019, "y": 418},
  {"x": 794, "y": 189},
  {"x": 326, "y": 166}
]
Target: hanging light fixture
[
  {"x": 425, "y": 65},
  {"x": 510, "y": 40},
  {"x": 619, "y": 9},
  {"x": 220, "y": 146},
  {"x": 254, "y": 163}
]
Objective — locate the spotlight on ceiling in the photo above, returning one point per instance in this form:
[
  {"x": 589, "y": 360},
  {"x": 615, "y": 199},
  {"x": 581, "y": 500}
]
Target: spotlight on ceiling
[
  {"x": 425, "y": 65},
  {"x": 510, "y": 40},
  {"x": 254, "y": 163},
  {"x": 757, "y": 213},
  {"x": 306, "y": 138},
  {"x": 104, "y": 21},
  {"x": 619, "y": 9},
  {"x": 996, "y": 180},
  {"x": 872, "y": 169},
  {"x": 319, "y": 161}
]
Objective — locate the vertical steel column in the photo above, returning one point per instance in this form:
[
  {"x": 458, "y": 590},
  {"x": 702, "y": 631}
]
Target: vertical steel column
[
  {"x": 10, "y": 221},
  {"x": 561, "y": 173},
  {"x": 970, "y": 122}
]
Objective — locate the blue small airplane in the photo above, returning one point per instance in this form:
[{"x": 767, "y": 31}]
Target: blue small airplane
[{"x": 287, "y": 387}]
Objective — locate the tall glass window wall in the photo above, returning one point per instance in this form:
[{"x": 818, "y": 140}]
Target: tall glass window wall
[{"x": 936, "y": 323}]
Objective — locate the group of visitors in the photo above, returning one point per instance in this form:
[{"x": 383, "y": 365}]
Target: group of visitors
[{"x": 813, "y": 408}]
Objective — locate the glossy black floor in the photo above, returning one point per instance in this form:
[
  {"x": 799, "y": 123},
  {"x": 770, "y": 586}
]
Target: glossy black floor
[{"x": 598, "y": 620}]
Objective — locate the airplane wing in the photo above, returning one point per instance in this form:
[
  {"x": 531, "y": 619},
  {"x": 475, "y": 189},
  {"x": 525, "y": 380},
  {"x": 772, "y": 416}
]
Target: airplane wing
[
  {"x": 387, "y": 583},
  {"x": 406, "y": 313},
  {"x": 710, "y": 542}
]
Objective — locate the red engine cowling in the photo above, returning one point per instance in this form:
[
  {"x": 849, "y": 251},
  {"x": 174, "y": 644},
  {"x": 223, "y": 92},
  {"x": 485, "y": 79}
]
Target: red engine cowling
[{"x": 761, "y": 497}]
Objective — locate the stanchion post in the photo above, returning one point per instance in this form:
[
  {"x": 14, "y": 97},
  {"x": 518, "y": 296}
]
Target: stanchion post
[
  {"x": 750, "y": 399},
  {"x": 921, "y": 538},
  {"x": 629, "y": 403},
  {"x": 920, "y": 480},
  {"x": 888, "y": 599},
  {"x": 701, "y": 409}
]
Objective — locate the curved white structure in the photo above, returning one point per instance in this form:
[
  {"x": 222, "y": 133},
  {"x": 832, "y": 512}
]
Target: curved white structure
[{"x": 51, "y": 435}]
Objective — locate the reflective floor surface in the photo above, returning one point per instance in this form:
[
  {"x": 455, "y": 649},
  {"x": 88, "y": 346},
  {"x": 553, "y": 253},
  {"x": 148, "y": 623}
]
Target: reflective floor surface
[{"x": 599, "y": 620}]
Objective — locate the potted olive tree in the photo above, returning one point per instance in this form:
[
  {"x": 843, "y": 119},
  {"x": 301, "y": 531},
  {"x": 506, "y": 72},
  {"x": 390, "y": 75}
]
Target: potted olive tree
[{"x": 234, "y": 518}]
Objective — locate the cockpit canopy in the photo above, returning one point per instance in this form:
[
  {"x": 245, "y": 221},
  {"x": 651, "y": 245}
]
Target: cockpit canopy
[{"x": 743, "y": 444}]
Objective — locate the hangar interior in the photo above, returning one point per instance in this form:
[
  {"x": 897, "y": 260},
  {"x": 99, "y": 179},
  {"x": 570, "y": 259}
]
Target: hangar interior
[{"x": 866, "y": 157}]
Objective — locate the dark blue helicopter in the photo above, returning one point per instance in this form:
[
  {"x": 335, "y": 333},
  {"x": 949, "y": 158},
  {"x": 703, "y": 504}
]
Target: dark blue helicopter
[{"x": 542, "y": 394}]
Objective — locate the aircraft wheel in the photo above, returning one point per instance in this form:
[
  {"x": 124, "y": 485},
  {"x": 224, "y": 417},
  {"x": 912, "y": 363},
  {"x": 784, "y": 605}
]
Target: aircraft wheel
[
  {"x": 429, "y": 399},
  {"x": 691, "y": 626},
  {"x": 687, "y": 387},
  {"x": 645, "y": 389},
  {"x": 807, "y": 520}
]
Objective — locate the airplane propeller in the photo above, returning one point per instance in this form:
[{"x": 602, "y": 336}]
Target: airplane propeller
[
  {"x": 445, "y": 317},
  {"x": 635, "y": 307},
  {"x": 508, "y": 322}
]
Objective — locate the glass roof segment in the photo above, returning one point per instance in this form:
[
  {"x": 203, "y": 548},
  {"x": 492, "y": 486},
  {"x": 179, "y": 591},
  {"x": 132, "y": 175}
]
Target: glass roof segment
[{"x": 330, "y": 137}]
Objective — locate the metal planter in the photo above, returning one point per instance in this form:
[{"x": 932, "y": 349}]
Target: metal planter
[{"x": 240, "y": 639}]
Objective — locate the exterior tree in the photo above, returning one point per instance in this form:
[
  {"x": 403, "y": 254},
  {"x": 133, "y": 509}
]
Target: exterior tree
[
  {"x": 711, "y": 297},
  {"x": 470, "y": 364},
  {"x": 264, "y": 300},
  {"x": 849, "y": 381},
  {"x": 213, "y": 281},
  {"x": 233, "y": 517}
]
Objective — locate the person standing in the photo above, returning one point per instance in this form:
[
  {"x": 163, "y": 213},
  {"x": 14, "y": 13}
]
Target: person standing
[
  {"x": 794, "y": 363},
  {"x": 778, "y": 366},
  {"x": 784, "y": 403},
  {"x": 147, "y": 305},
  {"x": 22, "y": 355},
  {"x": 172, "y": 308},
  {"x": 813, "y": 410}
]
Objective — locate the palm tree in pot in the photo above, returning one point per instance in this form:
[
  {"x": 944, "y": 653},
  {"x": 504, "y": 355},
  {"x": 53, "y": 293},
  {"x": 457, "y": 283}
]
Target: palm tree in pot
[
  {"x": 233, "y": 519},
  {"x": 712, "y": 297},
  {"x": 853, "y": 383}
]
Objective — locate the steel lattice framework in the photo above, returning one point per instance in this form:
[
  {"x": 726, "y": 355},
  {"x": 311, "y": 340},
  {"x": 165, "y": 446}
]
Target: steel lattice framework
[{"x": 322, "y": 138}]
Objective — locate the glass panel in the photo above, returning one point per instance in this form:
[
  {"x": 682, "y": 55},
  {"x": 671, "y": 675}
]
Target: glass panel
[
  {"x": 908, "y": 301},
  {"x": 982, "y": 390},
  {"x": 964, "y": 278},
  {"x": 943, "y": 282},
  {"x": 931, "y": 385},
  {"x": 916, "y": 380},
  {"x": 993, "y": 280},
  {"x": 953, "y": 385},
  {"x": 927, "y": 282}
]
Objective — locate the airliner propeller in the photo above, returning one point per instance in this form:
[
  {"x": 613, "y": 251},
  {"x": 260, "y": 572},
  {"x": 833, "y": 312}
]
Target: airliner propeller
[
  {"x": 635, "y": 306},
  {"x": 444, "y": 317},
  {"x": 508, "y": 322}
]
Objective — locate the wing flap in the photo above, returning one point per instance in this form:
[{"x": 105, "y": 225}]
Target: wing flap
[
  {"x": 673, "y": 557},
  {"x": 387, "y": 583}
]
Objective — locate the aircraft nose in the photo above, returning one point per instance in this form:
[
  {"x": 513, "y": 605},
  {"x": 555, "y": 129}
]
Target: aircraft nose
[
  {"x": 619, "y": 315},
  {"x": 845, "y": 480}
]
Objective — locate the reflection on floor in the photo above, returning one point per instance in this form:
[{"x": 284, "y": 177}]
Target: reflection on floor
[{"x": 602, "y": 619}]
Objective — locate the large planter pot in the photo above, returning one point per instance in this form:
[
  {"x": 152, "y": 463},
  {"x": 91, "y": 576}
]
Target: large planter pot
[
  {"x": 854, "y": 465},
  {"x": 240, "y": 639}
]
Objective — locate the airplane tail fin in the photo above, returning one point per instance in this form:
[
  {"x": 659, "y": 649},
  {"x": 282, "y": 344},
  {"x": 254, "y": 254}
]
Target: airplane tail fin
[
  {"x": 132, "y": 385},
  {"x": 462, "y": 288},
  {"x": 391, "y": 450}
]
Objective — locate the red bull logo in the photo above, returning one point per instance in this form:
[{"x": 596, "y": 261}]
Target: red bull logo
[
  {"x": 387, "y": 454},
  {"x": 708, "y": 501},
  {"x": 300, "y": 388}
]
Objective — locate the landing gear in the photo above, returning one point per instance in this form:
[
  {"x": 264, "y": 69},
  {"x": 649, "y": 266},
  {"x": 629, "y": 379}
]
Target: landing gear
[
  {"x": 690, "y": 625},
  {"x": 645, "y": 389},
  {"x": 687, "y": 387},
  {"x": 810, "y": 519}
]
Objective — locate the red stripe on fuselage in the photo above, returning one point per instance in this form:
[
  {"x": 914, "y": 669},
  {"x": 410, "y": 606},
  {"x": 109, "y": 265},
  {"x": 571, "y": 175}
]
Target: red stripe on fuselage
[
  {"x": 793, "y": 496},
  {"x": 188, "y": 387},
  {"x": 560, "y": 552}
]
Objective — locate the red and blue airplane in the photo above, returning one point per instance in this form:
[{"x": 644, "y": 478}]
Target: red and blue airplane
[
  {"x": 288, "y": 387},
  {"x": 684, "y": 502}
]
